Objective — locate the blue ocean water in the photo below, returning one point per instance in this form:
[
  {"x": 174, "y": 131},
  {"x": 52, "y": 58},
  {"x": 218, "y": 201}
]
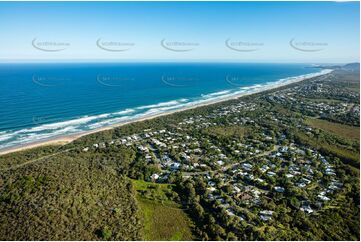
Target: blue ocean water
[{"x": 41, "y": 101}]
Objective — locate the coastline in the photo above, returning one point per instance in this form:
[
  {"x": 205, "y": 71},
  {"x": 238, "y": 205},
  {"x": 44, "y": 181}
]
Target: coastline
[{"x": 65, "y": 139}]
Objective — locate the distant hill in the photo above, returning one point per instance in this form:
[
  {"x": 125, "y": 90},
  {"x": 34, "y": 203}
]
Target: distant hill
[
  {"x": 347, "y": 67},
  {"x": 352, "y": 67}
]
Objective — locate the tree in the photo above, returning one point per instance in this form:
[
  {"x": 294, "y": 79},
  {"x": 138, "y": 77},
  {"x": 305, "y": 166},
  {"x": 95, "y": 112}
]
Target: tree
[
  {"x": 104, "y": 233},
  {"x": 294, "y": 202},
  {"x": 198, "y": 210}
]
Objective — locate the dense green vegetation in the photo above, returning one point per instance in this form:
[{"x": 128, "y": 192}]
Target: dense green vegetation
[
  {"x": 227, "y": 132},
  {"x": 22, "y": 157},
  {"x": 68, "y": 197}
]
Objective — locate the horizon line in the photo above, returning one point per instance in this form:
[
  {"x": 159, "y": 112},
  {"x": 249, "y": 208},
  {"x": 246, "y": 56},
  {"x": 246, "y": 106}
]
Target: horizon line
[{"x": 50, "y": 61}]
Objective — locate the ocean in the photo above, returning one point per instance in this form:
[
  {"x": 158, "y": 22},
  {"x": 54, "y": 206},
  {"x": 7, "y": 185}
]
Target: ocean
[{"x": 42, "y": 101}]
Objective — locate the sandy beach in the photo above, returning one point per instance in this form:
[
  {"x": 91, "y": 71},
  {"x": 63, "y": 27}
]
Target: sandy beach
[{"x": 62, "y": 140}]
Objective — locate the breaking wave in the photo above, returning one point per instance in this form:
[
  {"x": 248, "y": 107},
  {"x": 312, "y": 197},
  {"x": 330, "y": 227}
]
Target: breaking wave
[{"x": 87, "y": 123}]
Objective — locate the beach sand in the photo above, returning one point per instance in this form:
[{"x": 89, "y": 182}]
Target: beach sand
[{"x": 62, "y": 140}]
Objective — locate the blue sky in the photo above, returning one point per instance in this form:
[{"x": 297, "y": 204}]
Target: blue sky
[{"x": 312, "y": 32}]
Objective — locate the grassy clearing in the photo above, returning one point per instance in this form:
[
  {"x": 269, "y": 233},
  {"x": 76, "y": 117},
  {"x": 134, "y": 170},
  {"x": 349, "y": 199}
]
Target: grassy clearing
[
  {"x": 161, "y": 189},
  {"x": 162, "y": 217},
  {"x": 341, "y": 130}
]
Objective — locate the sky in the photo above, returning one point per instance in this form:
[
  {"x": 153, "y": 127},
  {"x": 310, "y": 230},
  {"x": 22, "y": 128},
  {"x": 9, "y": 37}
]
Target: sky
[{"x": 299, "y": 32}]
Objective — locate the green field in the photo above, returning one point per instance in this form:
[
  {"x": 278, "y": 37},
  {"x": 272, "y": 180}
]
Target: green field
[
  {"x": 163, "y": 218},
  {"x": 341, "y": 130}
]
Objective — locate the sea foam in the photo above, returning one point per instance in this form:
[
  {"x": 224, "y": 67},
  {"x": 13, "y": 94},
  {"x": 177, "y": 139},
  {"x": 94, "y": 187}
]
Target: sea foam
[{"x": 11, "y": 138}]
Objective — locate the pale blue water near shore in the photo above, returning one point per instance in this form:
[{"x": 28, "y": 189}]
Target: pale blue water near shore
[{"x": 42, "y": 101}]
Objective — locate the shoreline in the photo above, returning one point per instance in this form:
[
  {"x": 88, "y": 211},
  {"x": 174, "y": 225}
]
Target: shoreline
[{"x": 66, "y": 139}]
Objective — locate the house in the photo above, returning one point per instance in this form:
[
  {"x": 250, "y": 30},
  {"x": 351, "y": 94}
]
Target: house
[
  {"x": 265, "y": 215},
  {"x": 154, "y": 177},
  {"x": 230, "y": 212},
  {"x": 175, "y": 165},
  {"x": 301, "y": 185},
  {"x": 220, "y": 162},
  {"x": 289, "y": 175},
  {"x": 246, "y": 166},
  {"x": 211, "y": 189},
  {"x": 323, "y": 198},
  {"x": 279, "y": 189},
  {"x": 304, "y": 180},
  {"x": 306, "y": 208},
  {"x": 266, "y": 212},
  {"x": 236, "y": 189},
  {"x": 271, "y": 173},
  {"x": 264, "y": 168}
]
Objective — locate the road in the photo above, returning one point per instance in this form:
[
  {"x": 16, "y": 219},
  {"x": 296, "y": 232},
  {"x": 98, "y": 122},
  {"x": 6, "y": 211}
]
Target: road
[{"x": 36, "y": 160}]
